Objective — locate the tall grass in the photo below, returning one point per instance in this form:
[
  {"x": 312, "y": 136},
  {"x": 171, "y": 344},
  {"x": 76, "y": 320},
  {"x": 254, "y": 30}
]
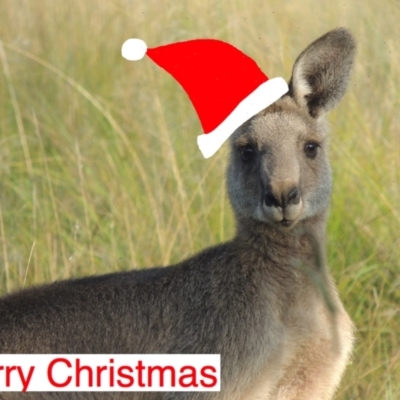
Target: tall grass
[{"x": 100, "y": 171}]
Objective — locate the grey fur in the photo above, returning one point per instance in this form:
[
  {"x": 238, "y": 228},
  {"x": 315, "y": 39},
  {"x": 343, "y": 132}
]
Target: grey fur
[{"x": 243, "y": 299}]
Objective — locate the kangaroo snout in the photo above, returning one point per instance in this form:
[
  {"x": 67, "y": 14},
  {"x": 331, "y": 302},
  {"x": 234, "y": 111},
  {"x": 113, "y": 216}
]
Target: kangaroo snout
[
  {"x": 282, "y": 199},
  {"x": 283, "y": 204}
]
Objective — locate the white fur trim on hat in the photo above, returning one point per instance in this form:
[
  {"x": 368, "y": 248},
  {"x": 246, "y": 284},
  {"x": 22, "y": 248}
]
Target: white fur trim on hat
[{"x": 266, "y": 94}]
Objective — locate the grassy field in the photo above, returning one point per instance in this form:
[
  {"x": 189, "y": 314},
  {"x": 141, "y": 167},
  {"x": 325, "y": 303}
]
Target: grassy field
[{"x": 100, "y": 170}]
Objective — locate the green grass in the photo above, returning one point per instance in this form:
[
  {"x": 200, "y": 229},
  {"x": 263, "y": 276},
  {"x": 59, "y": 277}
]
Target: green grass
[{"x": 100, "y": 171}]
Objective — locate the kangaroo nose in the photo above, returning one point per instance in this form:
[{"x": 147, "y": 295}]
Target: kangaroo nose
[{"x": 286, "y": 198}]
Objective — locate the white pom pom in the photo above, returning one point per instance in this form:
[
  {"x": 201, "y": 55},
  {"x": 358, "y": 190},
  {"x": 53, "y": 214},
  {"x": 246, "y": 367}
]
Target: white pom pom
[{"x": 134, "y": 49}]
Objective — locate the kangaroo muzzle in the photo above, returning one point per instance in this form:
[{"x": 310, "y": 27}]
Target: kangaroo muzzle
[{"x": 284, "y": 206}]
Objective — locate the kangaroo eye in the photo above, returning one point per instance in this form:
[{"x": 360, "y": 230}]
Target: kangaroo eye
[
  {"x": 247, "y": 154},
  {"x": 311, "y": 149}
]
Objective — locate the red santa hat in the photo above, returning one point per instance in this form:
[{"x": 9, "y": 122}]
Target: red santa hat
[{"x": 226, "y": 86}]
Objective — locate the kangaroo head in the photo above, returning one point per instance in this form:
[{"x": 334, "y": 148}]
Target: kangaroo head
[{"x": 279, "y": 172}]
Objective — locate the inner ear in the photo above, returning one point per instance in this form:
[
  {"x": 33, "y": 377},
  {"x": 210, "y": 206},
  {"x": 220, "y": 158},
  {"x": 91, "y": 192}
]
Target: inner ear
[{"x": 322, "y": 71}]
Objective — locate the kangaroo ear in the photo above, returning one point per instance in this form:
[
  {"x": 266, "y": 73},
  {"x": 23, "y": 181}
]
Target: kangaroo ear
[{"x": 321, "y": 72}]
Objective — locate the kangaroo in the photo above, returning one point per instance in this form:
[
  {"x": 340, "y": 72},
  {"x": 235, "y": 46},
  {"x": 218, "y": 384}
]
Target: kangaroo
[{"x": 252, "y": 299}]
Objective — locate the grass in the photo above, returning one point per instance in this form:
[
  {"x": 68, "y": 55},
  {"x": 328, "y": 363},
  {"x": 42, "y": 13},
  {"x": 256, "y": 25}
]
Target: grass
[{"x": 100, "y": 171}]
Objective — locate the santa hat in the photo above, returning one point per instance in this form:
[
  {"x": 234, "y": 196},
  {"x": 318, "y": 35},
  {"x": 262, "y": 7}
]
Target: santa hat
[{"x": 226, "y": 86}]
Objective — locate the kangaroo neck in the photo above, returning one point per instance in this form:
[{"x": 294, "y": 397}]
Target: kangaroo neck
[{"x": 280, "y": 244}]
